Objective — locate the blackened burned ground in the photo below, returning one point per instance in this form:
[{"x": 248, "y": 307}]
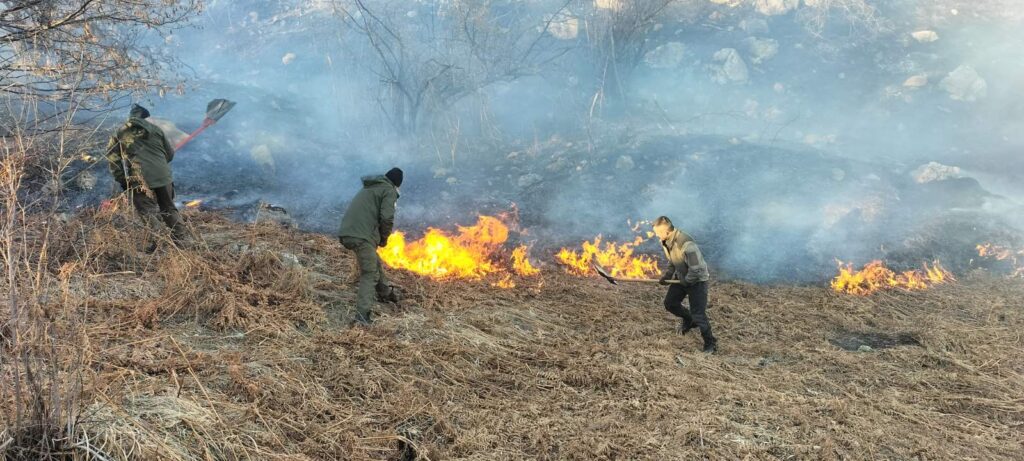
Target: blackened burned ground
[{"x": 861, "y": 341}]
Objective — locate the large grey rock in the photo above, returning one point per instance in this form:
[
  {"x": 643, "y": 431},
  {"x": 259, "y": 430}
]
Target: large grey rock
[
  {"x": 624, "y": 163},
  {"x": 775, "y": 7},
  {"x": 529, "y": 179},
  {"x": 762, "y": 50},
  {"x": 925, "y": 36},
  {"x": 730, "y": 67},
  {"x": 935, "y": 171},
  {"x": 964, "y": 84},
  {"x": 667, "y": 56}
]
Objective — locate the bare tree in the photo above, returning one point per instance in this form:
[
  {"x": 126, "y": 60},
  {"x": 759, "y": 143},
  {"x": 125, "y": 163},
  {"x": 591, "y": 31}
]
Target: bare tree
[
  {"x": 429, "y": 55},
  {"x": 82, "y": 53},
  {"x": 617, "y": 33}
]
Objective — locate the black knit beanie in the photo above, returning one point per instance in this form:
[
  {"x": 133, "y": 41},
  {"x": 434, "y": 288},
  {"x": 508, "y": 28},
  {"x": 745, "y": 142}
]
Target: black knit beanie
[{"x": 395, "y": 176}]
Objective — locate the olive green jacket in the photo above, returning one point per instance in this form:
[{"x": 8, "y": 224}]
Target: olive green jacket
[
  {"x": 144, "y": 150},
  {"x": 685, "y": 261},
  {"x": 371, "y": 214}
]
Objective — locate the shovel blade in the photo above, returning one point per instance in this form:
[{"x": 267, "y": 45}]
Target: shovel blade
[
  {"x": 218, "y": 108},
  {"x": 603, "y": 273}
]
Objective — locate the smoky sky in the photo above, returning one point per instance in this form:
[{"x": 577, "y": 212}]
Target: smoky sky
[{"x": 780, "y": 150}]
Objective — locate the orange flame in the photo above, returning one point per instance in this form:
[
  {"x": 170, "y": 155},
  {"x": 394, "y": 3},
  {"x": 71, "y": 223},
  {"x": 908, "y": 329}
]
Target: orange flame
[
  {"x": 617, "y": 259},
  {"x": 1002, "y": 253},
  {"x": 473, "y": 253},
  {"x": 875, "y": 276},
  {"x": 193, "y": 203},
  {"x": 521, "y": 262},
  {"x": 505, "y": 283},
  {"x": 440, "y": 256}
]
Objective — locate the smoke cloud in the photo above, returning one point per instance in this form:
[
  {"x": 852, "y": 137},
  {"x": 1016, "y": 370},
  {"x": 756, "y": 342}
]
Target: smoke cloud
[{"x": 780, "y": 150}]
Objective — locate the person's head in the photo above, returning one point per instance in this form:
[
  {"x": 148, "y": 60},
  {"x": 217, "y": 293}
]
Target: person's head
[
  {"x": 395, "y": 176},
  {"x": 663, "y": 227},
  {"x": 138, "y": 111}
]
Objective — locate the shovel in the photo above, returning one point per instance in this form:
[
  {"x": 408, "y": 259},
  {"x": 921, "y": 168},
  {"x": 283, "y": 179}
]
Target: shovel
[
  {"x": 214, "y": 111},
  {"x": 615, "y": 281}
]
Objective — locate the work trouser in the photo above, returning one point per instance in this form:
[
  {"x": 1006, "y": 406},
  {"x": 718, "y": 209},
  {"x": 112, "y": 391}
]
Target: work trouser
[
  {"x": 696, "y": 316},
  {"x": 157, "y": 205},
  {"x": 372, "y": 281}
]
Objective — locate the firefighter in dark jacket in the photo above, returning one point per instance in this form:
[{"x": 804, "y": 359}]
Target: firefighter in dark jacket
[
  {"x": 139, "y": 157},
  {"x": 366, "y": 226},
  {"x": 686, "y": 264}
]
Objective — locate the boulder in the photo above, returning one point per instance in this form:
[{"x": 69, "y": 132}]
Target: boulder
[
  {"x": 667, "y": 56},
  {"x": 964, "y": 84},
  {"x": 762, "y": 50},
  {"x": 935, "y": 171},
  {"x": 925, "y": 36},
  {"x": 916, "y": 81},
  {"x": 776, "y": 7},
  {"x": 730, "y": 68},
  {"x": 625, "y": 163}
]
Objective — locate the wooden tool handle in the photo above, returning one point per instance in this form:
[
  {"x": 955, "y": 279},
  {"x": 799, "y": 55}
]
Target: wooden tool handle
[{"x": 670, "y": 282}]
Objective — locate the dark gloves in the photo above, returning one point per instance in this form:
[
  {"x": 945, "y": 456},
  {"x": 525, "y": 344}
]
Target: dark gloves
[
  {"x": 386, "y": 226},
  {"x": 664, "y": 281}
]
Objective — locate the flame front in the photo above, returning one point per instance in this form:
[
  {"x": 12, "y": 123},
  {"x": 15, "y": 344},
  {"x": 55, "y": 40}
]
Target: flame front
[
  {"x": 521, "y": 262},
  {"x": 875, "y": 276},
  {"x": 193, "y": 203},
  {"x": 1001, "y": 253},
  {"x": 473, "y": 253},
  {"x": 467, "y": 255},
  {"x": 617, "y": 259}
]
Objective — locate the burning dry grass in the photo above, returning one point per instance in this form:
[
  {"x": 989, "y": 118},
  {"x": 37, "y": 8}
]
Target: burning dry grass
[
  {"x": 237, "y": 349},
  {"x": 875, "y": 276}
]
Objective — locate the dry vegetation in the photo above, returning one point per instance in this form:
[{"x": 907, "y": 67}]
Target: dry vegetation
[{"x": 238, "y": 349}]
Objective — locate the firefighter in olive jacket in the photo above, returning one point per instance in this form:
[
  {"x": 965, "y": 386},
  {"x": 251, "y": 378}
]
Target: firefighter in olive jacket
[
  {"x": 686, "y": 264},
  {"x": 367, "y": 223},
  {"x": 139, "y": 158}
]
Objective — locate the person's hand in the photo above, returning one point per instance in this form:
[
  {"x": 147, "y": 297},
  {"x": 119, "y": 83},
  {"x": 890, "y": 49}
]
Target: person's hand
[{"x": 664, "y": 281}]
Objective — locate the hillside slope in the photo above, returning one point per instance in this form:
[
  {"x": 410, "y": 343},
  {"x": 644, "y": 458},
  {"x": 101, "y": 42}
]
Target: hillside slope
[{"x": 239, "y": 349}]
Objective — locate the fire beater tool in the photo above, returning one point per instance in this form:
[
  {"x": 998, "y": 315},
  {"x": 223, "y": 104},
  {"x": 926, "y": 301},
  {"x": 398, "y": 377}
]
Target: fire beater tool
[
  {"x": 215, "y": 110},
  {"x": 615, "y": 281}
]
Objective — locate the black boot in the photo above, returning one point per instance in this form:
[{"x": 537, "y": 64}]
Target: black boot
[
  {"x": 710, "y": 343},
  {"x": 388, "y": 294},
  {"x": 685, "y": 326}
]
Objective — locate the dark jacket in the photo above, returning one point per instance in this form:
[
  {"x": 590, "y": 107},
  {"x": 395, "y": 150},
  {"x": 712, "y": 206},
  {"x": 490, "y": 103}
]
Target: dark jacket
[
  {"x": 371, "y": 214},
  {"x": 685, "y": 260},
  {"x": 145, "y": 151}
]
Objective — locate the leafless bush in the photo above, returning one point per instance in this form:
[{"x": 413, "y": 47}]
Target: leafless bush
[
  {"x": 61, "y": 63},
  {"x": 429, "y": 55},
  {"x": 861, "y": 17},
  {"x": 616, "y": 40}
]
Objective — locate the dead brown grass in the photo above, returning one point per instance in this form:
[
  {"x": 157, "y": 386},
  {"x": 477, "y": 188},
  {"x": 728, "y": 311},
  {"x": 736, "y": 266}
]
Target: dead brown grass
[{"x": 230, "y": 350}]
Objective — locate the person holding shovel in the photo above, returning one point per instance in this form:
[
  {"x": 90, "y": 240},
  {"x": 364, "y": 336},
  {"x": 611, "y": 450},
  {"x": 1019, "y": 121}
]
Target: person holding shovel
[
  {"x": 139, "y": 157},
  {"x": 686, "y": 264},
  {"x": 366, "y": 226}
]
